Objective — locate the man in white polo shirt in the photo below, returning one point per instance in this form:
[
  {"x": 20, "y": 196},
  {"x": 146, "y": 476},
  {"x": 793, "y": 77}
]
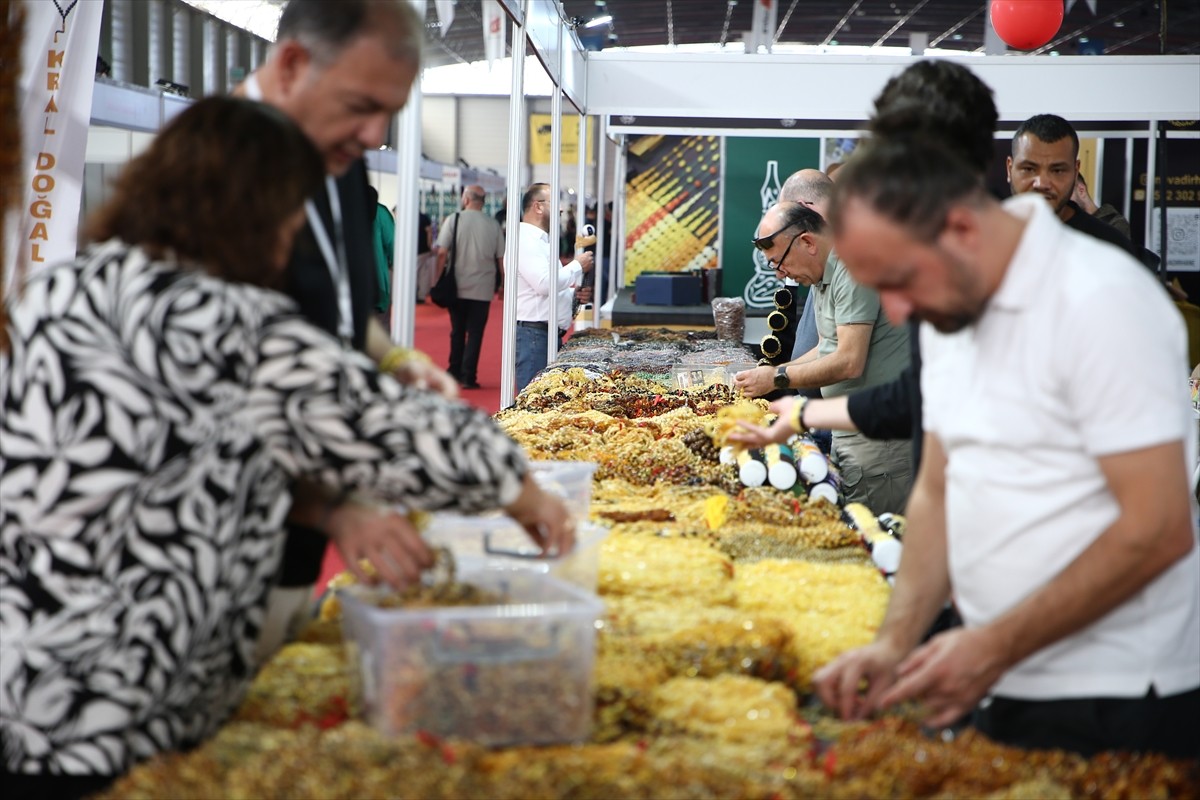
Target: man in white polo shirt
[
  {"x": 533, "y": 284},
  {"x": 1053, "y": 500}
]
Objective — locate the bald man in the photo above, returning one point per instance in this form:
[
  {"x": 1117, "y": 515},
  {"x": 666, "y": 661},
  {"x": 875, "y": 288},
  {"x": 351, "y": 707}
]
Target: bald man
[{"x": 478, "y": 245}]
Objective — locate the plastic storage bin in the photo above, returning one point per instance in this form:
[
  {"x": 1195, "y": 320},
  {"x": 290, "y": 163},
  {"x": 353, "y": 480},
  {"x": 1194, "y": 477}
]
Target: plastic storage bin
[
  {"x": 697, "y": 376},
  {"x": 497, "y": 543},
  {"x": 570, "y": 480},
  {"x": 519, "y": 673}
]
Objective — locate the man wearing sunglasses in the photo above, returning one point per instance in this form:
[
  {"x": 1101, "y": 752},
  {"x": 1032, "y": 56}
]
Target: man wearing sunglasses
[{"x": 857, "y": 348}]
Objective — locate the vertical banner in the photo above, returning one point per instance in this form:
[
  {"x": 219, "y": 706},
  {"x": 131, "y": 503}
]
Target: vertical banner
[
  {"x": 672, "y": 204},
  {"x": 540, "y": 150},
  {"x": 493, "y": 31},
  {"x": 755, "y": 169},
  {"x": 58, "y": 70}
]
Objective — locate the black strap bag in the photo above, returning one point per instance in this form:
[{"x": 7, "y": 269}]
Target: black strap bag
[{"x": 445, "y": 292}]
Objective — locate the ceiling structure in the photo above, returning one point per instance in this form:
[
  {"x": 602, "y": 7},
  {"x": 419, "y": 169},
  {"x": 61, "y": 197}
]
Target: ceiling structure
[{"x": 1116, "y": 27}]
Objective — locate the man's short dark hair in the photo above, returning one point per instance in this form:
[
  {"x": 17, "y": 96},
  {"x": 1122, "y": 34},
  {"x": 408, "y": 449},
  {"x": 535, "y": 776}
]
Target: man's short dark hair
[
  {"x": 944, "y": 99},
  {"x": 912, "y": 181},
  {"x": 1049, "y": 128},
  {"x": 326, "y": 27},
  {"x": 801, "y": 217},
  {"x": 531, "y": 196}
]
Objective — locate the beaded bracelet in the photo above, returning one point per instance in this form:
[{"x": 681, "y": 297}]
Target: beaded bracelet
[
  {"x": 796, "y": 420},
  {"x": 400, "y": 356}
]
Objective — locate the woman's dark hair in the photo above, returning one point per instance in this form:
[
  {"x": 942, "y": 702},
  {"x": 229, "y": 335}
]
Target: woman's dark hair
[{"x": 215, "y": 187}]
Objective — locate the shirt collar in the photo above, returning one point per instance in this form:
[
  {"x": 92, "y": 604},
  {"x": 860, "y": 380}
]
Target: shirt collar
[
  {"x": 536, "y": 231},
  {"x": 831, "y": 262},
  {"x": 1035, "y": 255}
]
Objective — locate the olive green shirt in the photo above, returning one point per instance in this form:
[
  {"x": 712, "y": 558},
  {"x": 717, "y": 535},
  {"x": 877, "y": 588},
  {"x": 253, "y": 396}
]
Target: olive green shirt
[{"x": 841, "y": 301}]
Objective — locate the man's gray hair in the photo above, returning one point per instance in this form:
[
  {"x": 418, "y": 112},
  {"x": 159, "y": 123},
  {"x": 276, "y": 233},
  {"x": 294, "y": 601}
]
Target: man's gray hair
[{"x": 325, "y": 28}]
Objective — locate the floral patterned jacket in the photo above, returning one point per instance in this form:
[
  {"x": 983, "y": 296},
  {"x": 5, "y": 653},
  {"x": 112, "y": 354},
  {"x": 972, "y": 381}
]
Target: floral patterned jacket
[{"x": 152, "y": 420}]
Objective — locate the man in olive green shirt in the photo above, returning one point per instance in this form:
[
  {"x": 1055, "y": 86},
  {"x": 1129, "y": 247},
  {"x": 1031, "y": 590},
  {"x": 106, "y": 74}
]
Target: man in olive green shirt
[{"x": 857, "y": 348}]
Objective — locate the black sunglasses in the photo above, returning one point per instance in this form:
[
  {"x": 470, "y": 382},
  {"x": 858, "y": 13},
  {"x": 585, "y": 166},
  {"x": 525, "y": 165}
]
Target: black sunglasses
[{"x": 765, "y": 242}]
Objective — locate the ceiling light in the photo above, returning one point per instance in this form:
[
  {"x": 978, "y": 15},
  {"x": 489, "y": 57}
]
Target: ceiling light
[
  {"x": 1084, "y": 40},
  {"x": 1118, "y": 24},
  {"x": 956, "y": 37},
  {"x": 598, "y": 21}
]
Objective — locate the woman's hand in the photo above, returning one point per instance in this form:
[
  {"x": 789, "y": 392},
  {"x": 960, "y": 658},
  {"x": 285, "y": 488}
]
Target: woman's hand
[
  {"x": 544, "y": 517},
  {"x": 381, "y": 536},
  {"x": 780, "y": 430},
  {"x": 423, "y": 374}
]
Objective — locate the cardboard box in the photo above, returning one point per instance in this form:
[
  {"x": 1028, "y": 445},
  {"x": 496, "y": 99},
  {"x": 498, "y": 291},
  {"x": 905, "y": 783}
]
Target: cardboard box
[{"x": 667, "y": 289}]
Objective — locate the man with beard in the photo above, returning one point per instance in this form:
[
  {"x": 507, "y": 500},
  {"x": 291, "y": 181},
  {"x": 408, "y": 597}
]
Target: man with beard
[
  {"x": 1052, "y": 499},
  {"x": 1045, "y": 160}
]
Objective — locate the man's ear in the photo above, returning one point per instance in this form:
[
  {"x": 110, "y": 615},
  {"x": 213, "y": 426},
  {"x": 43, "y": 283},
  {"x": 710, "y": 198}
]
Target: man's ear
[
  {"x": 1008, "y": 169},
  {"x": 810, "y": 242},
  {"x": 961, "y": 231},
  {"x": 293, "y": 62}
]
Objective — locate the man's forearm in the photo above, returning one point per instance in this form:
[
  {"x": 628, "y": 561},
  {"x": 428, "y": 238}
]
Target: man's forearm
[
  {"x": 828, "y": 413},
  {"x": 822, "y": 371},
  {"x": 378, "y": 341},
  {"x": 923, "y": 580}
]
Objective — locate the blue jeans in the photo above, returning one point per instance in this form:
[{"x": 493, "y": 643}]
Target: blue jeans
[{"x": 531, "y": 353}]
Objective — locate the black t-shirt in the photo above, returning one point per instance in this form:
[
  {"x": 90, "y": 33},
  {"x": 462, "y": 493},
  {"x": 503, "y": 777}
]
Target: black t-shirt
[
  {"x": 1086, "y": 223},
  {"x": 308, "y": 280},
  {"x": 310, "y": 284}
]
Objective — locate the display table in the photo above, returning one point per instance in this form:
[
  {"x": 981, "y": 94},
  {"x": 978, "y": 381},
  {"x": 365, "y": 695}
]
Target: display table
[{"x": 721, "y": 601}]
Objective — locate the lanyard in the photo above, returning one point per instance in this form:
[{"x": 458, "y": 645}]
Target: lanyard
[{"x": 335, "y": 260}]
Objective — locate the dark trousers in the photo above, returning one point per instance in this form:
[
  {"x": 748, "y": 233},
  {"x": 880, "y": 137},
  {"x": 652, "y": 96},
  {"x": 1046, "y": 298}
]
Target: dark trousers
[
  {"x": 468, "y": 318},
  {"x": 1150, "y": 724}
]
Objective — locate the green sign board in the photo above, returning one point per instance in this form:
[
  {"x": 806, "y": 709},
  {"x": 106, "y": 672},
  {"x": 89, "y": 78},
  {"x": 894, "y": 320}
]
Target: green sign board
[{"x": 755, "y": 169}]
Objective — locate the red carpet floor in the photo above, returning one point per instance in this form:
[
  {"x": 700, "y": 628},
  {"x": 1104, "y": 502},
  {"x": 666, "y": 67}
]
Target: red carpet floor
[{"x": 432, "y": 336}]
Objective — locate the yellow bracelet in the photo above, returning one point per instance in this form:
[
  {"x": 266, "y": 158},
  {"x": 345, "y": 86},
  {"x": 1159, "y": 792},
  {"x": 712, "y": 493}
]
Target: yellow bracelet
[
  {"x": 399, "y": 356},
  {"x": 797, "y": 416}
]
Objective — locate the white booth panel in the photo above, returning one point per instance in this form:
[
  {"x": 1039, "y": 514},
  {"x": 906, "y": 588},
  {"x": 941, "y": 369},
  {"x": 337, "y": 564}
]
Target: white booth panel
[{"x": 1079, "y": 88}]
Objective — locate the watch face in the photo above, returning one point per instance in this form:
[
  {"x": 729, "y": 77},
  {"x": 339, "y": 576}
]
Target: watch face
[{"x": 781, "y": 379}]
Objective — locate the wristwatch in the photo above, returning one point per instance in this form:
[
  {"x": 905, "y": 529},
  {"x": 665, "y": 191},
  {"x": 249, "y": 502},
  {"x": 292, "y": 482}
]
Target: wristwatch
[{"x": 781, "y": 378}]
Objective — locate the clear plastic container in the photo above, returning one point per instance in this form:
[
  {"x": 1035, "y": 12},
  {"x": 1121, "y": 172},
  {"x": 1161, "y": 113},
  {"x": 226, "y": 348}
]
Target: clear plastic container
[
  {"x": 518, "y": 673},
  {"x": 570, "y": 480},
  {"x": 697, "y": 376},
  {"x": 498, "y": 543}
]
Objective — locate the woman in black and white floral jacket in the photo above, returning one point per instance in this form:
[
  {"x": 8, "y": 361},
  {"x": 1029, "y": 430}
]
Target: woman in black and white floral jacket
[{"x": 157, "y": 404}]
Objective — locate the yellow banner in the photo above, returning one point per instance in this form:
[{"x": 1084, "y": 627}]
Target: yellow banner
[{"x": 539, "y": 139}]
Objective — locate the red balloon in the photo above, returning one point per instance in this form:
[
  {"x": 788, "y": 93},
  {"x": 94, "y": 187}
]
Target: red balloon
[{"x": 1027, "y": 24}]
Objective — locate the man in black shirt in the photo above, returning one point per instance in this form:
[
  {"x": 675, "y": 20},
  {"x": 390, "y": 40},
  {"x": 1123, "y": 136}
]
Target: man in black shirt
[
  {"x": 342, "y": 71},
  {"x": 1045, "y": 159}
]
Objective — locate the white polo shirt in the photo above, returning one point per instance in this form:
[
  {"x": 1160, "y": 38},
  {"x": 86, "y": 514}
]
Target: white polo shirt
[
  {"x": 533, "y": 279},
  {"x": 1078, "y": 355}
]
